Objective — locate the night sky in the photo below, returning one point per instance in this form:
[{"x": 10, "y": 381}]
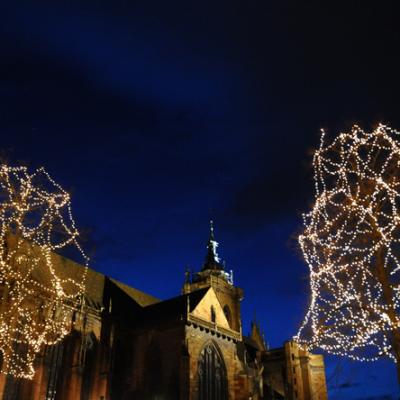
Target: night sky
[{"x": 157, "y": 115}]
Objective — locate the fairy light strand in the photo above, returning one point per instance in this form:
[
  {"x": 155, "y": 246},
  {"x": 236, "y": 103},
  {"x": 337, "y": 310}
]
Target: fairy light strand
[
  {"x": 36, "y": 303},
  {"x": 351, "y": 243}
]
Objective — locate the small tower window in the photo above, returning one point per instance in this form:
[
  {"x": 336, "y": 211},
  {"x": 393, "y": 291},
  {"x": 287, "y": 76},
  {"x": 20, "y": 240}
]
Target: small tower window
[
  {"x": 227, "y": 313},
  {"x": 213, "y": 316}
]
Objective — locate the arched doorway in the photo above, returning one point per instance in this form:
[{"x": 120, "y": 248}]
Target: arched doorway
[{"x": 213, "y": 384}]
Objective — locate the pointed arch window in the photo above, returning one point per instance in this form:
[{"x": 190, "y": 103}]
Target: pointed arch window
[
  {"x": 228, "y": 316},
  {"x": 213, "y": 315},
  {"x": 213, "y": 384},
  {"x": 53, "y": 361}
]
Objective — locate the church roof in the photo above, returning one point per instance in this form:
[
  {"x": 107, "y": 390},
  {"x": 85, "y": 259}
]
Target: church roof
[
  {"x": 143, "y": 299},
  {"x": 175, "y": 306},
  {"x": 94, "y": 284}
]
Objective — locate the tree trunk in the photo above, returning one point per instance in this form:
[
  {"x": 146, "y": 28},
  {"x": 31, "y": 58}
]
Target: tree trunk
[
  {"x": 398, "y": 370},
  {"x": 384, "y": 280}
]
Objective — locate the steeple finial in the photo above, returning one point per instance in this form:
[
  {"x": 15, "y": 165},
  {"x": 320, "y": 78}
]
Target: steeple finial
[
  {"x": 212, "y": 229},
  {"x": 212, "y": 260}
]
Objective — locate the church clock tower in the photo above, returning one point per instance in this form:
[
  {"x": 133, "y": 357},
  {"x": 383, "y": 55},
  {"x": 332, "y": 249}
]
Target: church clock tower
[{"x": 214, "y": 275}]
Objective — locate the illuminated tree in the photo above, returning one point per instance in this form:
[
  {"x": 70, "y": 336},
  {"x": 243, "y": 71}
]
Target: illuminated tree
[
  {"x": 37, "y": 297},
  {"x": 351, "y": 243}
]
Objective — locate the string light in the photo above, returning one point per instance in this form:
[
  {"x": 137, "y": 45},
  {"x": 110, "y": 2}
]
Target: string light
[
  {"x": 37, "y": 297},
  {"x": 351, "y": 243}
]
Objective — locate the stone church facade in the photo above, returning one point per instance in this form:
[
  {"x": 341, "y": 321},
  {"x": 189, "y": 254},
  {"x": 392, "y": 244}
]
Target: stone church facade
[{"x": 125, "y": 344}]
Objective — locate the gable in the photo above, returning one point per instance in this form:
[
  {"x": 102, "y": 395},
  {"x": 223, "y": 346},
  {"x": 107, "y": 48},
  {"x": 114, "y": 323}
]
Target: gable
[{"x": 203, "y": 309}]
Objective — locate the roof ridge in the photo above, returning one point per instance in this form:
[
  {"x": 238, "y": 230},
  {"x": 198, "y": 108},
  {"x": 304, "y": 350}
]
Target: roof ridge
[{"x": 145, "y": 297}]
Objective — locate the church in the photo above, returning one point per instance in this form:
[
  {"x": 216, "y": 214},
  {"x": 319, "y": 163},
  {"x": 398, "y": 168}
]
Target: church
[{"x": 125, "y": 344}]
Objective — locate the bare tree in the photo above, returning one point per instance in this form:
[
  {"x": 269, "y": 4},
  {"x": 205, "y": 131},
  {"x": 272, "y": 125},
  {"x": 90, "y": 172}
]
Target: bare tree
[
  {"x": 37, "y": 300},
  {"x": 351, "y": 242}
]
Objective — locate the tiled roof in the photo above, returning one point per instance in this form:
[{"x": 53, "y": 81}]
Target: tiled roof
[
  {"x": 143, "y": 299},
  {"x": 175, "y": 306},
  {"x": 94, "y": 283}
]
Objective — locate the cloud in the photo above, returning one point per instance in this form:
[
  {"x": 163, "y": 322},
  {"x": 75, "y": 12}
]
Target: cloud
[
  {"x": 120, "y": 55},
  {"x": 347, "y": 385}
]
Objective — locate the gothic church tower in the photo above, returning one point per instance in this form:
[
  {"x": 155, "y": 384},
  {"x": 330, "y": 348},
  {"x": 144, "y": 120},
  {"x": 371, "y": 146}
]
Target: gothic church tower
[{"x": 213, "y": 275}]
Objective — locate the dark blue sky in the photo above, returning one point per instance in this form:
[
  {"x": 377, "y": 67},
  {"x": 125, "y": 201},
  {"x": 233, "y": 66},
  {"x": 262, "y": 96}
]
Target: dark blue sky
[{"x": 154, "y": 112}]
